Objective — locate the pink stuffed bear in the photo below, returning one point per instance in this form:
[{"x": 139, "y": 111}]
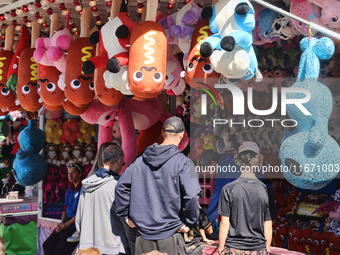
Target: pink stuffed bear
[
  {"x": 70, "y": 131},
  {"x": 52, "y": 51},
  {"x": 50, "y": 184},
  {"x": 62, "y": 181}
]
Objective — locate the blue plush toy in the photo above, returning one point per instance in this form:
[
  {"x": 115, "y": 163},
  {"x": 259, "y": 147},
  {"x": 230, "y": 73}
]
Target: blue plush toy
[
  {"x": 231, "y": 22},
  {"x": 312, "y": 156},
  {"x": 29, "y": 167}
]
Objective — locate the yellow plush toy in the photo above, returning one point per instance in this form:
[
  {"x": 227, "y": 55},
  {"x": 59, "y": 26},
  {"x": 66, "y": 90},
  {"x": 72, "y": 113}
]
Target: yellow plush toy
[
  {"x": 87, "y": 131},
  {"x": 209, "y": 142},
  {"x": 53, "y": 131}
]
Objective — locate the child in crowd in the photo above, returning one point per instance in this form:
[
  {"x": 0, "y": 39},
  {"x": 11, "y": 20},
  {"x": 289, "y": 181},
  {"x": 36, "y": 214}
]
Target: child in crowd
[{"x": 89, "y": 251}]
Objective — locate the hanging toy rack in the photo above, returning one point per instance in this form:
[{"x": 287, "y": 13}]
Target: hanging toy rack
[{"x": 317, "y": 27}]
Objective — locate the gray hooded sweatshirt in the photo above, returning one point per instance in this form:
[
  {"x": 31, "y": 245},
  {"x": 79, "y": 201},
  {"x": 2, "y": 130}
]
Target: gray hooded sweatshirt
[{"x": 96, "y": 218}]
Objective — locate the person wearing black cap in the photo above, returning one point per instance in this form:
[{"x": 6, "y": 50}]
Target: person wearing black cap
[
  {"x": 244, "y": 206},
  {"x": 157, "y": 194}
]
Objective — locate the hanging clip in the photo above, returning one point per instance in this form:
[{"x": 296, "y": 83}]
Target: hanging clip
[{"x": 310, "y": 30}]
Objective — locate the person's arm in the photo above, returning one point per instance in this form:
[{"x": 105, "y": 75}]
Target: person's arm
[
  {"x": 268, "y": 231},
  {"x": 223, "y": 232},
  {"x": 122, "y": 193},
  {"x": 60, "y": 226},
  {"x": 205, "y": 226},
  {"x": 209, "y": 231},
  {"x": 190, "y": 190}
]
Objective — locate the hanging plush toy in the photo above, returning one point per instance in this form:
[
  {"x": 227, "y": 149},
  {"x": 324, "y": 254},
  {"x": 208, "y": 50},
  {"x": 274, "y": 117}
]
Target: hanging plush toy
[
  {"x": 147, "y": 58},
  {"x": 329, "y": 13},
  {"x": 48, "y": 75},
  {"x": 70, "y": 108},
  {"x": 62, "y": 181},
  {"x": 231, "y": 22},
  {"x": 24, "y": 43},
  {"x": 310, "y": 143},
  {"x": 198, "y": 66},
  {"x": 27, "y": 91},
  {"x": 71, "y": 132},
  {"x": 52, "y": 51},
  {"x": 263, "y": 29},
  {"x": 29, "y": 167},
  {"x": 282, "y": 27},
  {"x": 7, "y": 96},
  {"x": 79, "y": 87}
]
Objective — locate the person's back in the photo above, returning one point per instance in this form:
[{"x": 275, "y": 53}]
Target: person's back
[
  {"x": 156, "y": 191},
  {"x": 248, "y": 203},
  {"x": 96, "y": 219}
]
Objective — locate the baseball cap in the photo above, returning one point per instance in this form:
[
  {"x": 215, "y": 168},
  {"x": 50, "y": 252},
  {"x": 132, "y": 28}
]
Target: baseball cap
[
  {"x": 207, "y": 156},
  {"x": 249, "y": 146},
  {"x": 174, "y": 122}
]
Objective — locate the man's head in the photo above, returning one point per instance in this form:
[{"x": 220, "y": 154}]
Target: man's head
[
  {"x": 173, "y": 131},
  {"x": 75, "y": 173},
  {"x": 113, "y": 158},
  {"x": 248, "y": 155},
  {"x": 209, "y": 158}
]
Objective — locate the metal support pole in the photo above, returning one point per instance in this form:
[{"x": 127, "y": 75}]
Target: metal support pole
[{"x": 317, "y": 27}]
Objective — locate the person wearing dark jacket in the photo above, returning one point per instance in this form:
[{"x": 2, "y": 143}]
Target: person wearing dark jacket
[{"x": 158, "y": 195}]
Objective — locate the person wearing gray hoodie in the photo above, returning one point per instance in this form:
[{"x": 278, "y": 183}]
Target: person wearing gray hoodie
[{"x": 96, "y": 217}]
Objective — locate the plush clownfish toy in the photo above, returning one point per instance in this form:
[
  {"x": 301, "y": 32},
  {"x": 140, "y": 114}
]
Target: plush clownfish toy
[{"x": 114, "y": 39}]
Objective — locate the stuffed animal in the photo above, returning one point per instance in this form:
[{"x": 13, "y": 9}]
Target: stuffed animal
[
  {"x": 51, "y": 153},
  {"x": 263, "y": 29},
  {"x": 174, "y": 84},
  {"x": 65, "y": 150},
  {"x": 7, "y": 96},
  {"x": 310, "y": 143},
  {"x": 52, "y": 51},
  {"x": 209, "y": 142},
  {"x": 53, "y": 131},
  {"x": 198, "y": 66},
  {"x": 180, "y": 25},
  {"x": 90, "y": 153},
  {"x": 27, "y": 91},
  {"x": 307, "y": 240},
  {"x": 62, "y": 181},
  {"x": 147, "y": 59},
  {"x": 70, "y": 131},
  {"x": 329, "y": 12},
  {"x": 70, "y": 108},
  {"x": 77, "y": 153},
  {"x": 297, "y": 236},
  {"x": 87, "y": 131},
  {"x": 282, "y": 27},
  {"x": 29, "y": 167},
  {"x": 79, "y": 87},
  {"x": 231, "y": 22},
  {"x": 306, "y": 11},
  {"x": 316, "y": 242},
  {"x": 50, "y": 184},
  {"x": 325, "y": 249}
]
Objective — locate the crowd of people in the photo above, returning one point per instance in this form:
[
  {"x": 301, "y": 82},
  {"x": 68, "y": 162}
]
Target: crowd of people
[{"x": 153, "y": 207}]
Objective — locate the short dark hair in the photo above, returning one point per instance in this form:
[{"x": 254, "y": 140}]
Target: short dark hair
[{"x": 112, "y": 153}]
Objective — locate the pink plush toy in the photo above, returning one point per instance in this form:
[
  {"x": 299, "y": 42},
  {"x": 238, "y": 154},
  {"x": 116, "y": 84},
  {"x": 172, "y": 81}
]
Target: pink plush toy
[
  {"x": 132, "y": 115},
  {"x": 52, "y": 51},
  {"x": 50, "y": 184},
  {"x": 70, "y": 131},
  {"x": 330, "y": 12},
  {"x": 174, "y": 84},
  {"x": 62, "y": 181},
  {"x": 307, "y": 11}
]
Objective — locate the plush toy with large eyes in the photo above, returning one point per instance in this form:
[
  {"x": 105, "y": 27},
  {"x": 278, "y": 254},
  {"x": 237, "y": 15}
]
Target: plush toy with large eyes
[
  {"x": 147, "y": 58},
  {"x": 79, "y": 87},
  {"x": 307, "y": 240},
  {"x": 27, "y": 89},
  {"x": 263, "y": 32},
  {"x": 325, "y": 249},
  {"x": 198, "y": 66},
  {"x": 316, "y": 242}
]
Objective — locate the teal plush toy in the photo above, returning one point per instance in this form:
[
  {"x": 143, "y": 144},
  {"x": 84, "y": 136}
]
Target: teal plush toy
[{"x": 29, "y": 167}]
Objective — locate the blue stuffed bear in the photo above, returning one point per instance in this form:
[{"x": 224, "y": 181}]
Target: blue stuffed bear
[
  {"x": 231, "y": 22},
  {"x": 29, "y": 167},
  {"x": 309, "y": 153}
]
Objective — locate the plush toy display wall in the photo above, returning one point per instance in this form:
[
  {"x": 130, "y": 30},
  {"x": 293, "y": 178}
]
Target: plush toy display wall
[{"x": 119, "y": 83}]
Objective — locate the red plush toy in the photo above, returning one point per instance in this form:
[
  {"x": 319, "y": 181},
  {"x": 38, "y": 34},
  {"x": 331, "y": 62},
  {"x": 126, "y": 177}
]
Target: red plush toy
[
  {"x": 148, "y": 55},
  {"x": 50, "y": 184},
  {"x": 297, "y": 237},
  {"x": 79, "y": 87},
  {"x": 325, "y": 237},
  {"x": 27, "y": 91},
  {"x": 316, "y": 245},
  {"x": 335, "y": 245},
  {"x": 70, "y": 131},
  {"x": 307, "y": 240},
  {"x": 291, "y": 243}
]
